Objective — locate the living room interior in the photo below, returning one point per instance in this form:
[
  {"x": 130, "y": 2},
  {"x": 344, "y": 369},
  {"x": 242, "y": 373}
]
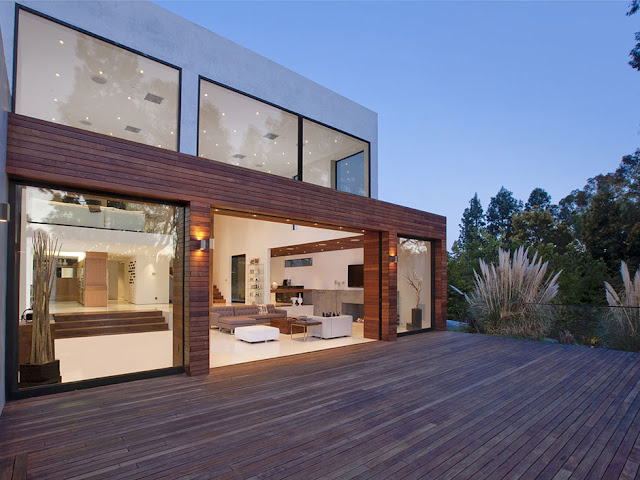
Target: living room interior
[
  {"x": 301, "y": 271},
  {"x": 111, "y": 302}
]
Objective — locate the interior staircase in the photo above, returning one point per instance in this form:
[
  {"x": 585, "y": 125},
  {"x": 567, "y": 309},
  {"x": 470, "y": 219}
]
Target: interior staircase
[
  {"x": 217, "y": 296},
  {"x": 71, "y": 325}
]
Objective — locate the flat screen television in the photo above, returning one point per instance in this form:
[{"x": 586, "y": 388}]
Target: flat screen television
[{"x": 356, "y": 276}]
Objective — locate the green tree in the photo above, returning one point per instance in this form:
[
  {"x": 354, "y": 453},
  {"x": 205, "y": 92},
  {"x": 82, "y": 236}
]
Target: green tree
[
  {"x": 635, "y": 52},
  {"x": 501, "y": 209},
  {"x": 539, "y": 199},
  {"x": 472, "y": 222}
]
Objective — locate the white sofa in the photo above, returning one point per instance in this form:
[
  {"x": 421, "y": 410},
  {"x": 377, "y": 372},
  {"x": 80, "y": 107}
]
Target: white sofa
[{"x": 332, "y": 327}]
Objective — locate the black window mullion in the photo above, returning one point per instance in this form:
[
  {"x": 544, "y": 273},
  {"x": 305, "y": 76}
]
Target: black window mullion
[{"x": 300, "y": 145}]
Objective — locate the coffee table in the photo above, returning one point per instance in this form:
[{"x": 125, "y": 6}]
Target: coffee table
[{"x": 305, "y": 327}]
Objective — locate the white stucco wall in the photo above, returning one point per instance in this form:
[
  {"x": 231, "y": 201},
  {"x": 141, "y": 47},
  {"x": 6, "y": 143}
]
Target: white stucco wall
[{"x": 154, "y": 31}]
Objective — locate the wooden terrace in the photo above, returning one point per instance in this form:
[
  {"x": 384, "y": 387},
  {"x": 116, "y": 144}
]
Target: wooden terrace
[{"x": 436, "y": 405}]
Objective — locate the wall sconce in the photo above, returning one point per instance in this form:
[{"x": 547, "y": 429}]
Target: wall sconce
[
  {"x": 203, "y": 245},
  {"x": 212, "y": 242},
  {"x": 393, "y": 259},
  {"x": 4, "y": 212}
]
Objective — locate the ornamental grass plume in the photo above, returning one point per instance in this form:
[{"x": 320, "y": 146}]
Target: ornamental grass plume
[
  {"x": 513, "y": 297},
  {"x": 622, "y": 320}
]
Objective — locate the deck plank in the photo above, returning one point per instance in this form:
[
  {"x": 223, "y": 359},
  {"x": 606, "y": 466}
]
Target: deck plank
[{"x": 438, "y": 405}]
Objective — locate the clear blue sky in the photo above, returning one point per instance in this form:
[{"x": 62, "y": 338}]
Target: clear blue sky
[{"x": 471, "y": 96}]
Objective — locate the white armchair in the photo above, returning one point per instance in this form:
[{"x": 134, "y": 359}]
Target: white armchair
[{"x": 332, "y": 327}]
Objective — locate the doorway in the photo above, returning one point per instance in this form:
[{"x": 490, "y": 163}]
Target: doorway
[{"x": 238, "y": 275}]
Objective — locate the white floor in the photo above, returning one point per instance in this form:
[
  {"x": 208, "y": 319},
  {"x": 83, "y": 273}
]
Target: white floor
[
  {"x": 106, "y": 355},
  {"x": 225, "y": 349}
]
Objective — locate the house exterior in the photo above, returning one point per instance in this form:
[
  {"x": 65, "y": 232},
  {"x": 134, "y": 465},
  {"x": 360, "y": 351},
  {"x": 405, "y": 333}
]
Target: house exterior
[{"x": 108, "y": 105}]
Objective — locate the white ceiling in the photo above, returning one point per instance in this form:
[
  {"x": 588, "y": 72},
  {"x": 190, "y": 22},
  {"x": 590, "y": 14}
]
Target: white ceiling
[{"x": 55, "y": 66}]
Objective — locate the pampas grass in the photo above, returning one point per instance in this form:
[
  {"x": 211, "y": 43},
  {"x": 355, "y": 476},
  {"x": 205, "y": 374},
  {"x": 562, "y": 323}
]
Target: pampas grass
[
  {"x": 512, "y": 298},
  {"x": 622, "y": 321}
]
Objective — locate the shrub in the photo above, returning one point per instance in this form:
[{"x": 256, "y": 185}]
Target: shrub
[
  {"x": 622, "y": 321},
  {"x": 512, "y": 298},
  {"x": 565, "y": 338}
]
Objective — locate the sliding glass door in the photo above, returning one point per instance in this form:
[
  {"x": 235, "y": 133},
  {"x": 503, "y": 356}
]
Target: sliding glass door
[{"x": 415, "y": 285}]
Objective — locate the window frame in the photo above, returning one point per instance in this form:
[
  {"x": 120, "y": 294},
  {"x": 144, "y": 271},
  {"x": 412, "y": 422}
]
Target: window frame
[
  {"x": 301, "y": 119},
  {"x": 19, "y": 7}
]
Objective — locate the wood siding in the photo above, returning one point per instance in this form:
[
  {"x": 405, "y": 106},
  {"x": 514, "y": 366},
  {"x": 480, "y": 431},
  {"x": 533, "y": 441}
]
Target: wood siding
[{"x": 41, "y": 151}]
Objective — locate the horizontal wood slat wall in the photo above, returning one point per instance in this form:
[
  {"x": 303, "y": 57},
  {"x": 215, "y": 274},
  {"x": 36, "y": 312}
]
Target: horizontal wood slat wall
[{"x": 46, "y": 152}]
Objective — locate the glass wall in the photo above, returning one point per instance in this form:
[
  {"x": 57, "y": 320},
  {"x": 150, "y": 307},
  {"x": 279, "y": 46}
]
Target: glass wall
[
  {"x": 414, "y": 285},
  {"x": 74, "y": 79},
  {"x": 112, "y": 292},
  {"x": 239, "y": 130},
  {"x": 333, "y": 159},
  {"x": 246, "y": 132}
]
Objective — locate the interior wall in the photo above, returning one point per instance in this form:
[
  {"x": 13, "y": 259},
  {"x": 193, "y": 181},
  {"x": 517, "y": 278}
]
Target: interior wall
[
  {"x": 328, "y": 272},
  {"x": 112, "y": 279},
  {"x": 152, "y": 280},
  {"x": 255, "y": 238}
]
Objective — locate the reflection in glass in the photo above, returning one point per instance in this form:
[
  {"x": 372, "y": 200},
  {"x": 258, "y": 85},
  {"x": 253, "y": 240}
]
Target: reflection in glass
[
  {"x": 241, "y": 131},
  {"x": 112, "y": 300},
  {"x": 414, "y": 284},
  {"x": 74, "y": 79},
  {"x": 326, "y": 153}
]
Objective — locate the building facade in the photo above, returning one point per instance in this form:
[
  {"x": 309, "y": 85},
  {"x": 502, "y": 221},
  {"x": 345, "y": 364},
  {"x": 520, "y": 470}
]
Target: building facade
[{"x": 131, "y": 134}]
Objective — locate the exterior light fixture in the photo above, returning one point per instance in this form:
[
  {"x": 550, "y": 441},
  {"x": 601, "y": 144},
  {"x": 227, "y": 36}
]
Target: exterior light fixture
[
  {"x": 4, "y": 212},
  {"x": 393, "y": 259},
  {"x": 212, "y": 242},
  {"x": 203, "y": 245}
]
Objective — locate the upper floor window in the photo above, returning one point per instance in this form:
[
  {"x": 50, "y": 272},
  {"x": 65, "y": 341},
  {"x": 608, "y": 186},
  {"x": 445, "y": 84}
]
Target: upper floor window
[
  {"x": 240, "y": 130},
  {"x": 334, "y": 159},
  {"x": 72, "y": 78}
]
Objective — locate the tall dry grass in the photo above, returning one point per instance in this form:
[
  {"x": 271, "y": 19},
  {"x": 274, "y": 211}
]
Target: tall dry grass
[
  {"x": 509, "y": 299},
  {"x": 622, "y": 321}
]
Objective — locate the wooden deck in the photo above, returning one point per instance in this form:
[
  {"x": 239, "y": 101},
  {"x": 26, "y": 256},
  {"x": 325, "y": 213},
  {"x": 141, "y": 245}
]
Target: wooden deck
[{"x": 437, "y": 405}]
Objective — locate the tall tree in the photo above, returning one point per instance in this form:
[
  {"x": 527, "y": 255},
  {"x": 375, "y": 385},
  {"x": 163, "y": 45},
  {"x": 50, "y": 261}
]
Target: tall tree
[
  {"x": 472, "y": 222},
  {"x": 538, "y": 200},
  {"x": 635, "y": 52},
  {"x": 499, "y": 213}
]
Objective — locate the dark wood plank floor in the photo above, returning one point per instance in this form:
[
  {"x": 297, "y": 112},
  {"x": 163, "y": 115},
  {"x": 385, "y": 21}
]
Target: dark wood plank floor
[{"x": 436, "y": 405}]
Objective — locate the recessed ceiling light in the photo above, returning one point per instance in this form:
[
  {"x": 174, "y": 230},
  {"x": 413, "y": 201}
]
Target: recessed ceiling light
[
  {"x": 354, "y": 239},
  {"x": 263, "y": 163},
  {"x": 223, "y": 114},
  {"x": 322, "y": 244},
  {"x": 283, "y": 153},
  {"x": 53, "y": 119},
  {"x": 160, "y": 145},
  {"x": 254, "y": 215},
  {"x": 171, "y": 133},
  {"x": 118, "y": 118},
  {"x": 128, "y": 98},
  {"x": 309, "y": 153},
  {"x": 269, "y": 171},
  {"x": 217, "y": 210},
  {"x": 204, "y": 131},
  {"x": 206, "y": 94},
  {"x": 257, "y": 113},
  {"x": 315, "y": 223},
  {"x": 141, "y": 71},
  {"x": 288, "y": 220},
  {"x": 306, "y": 141},
  {"x": 55, "y": 99},
  {"x": 255, "y": 154},
  {"x": 216, "y": 144},
  {"x": 86, "y": 118},
  {"x": 61, "y": 42},
  {"x": 234, "y": 130},
  {"x": 201, "y": 155},
  {"x": 290, "y": 248},
  {"x": 57, "y": 74},
  {"x": 288, "y": 163},
  {"x": 335, "y": 141}
]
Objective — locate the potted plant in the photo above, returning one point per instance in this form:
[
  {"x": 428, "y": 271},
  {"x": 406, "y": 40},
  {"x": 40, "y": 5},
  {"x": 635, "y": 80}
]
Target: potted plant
[
  {"x": 42, "y": 367},
  {"x": 416, "y": 282}
]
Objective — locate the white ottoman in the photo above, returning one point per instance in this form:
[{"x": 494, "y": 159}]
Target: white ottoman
[{"x": 257, "y": 333}]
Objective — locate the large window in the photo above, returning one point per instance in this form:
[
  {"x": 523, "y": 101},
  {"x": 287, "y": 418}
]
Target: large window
[
  {"x": 415, "y": 298},
  {"x": 242, "y": 131},
  {"x": 112, "y": 295},
  {"x": 68, "y": 77},
  {"x": 333, "y": 159}
]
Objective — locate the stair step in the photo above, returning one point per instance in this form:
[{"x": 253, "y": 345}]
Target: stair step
[
  {"x": 219, "y": 300},
  {"x": 110, "y": 330},
  {"x": 97, "y": 322},
  {"x": 63, "y": 317}
]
